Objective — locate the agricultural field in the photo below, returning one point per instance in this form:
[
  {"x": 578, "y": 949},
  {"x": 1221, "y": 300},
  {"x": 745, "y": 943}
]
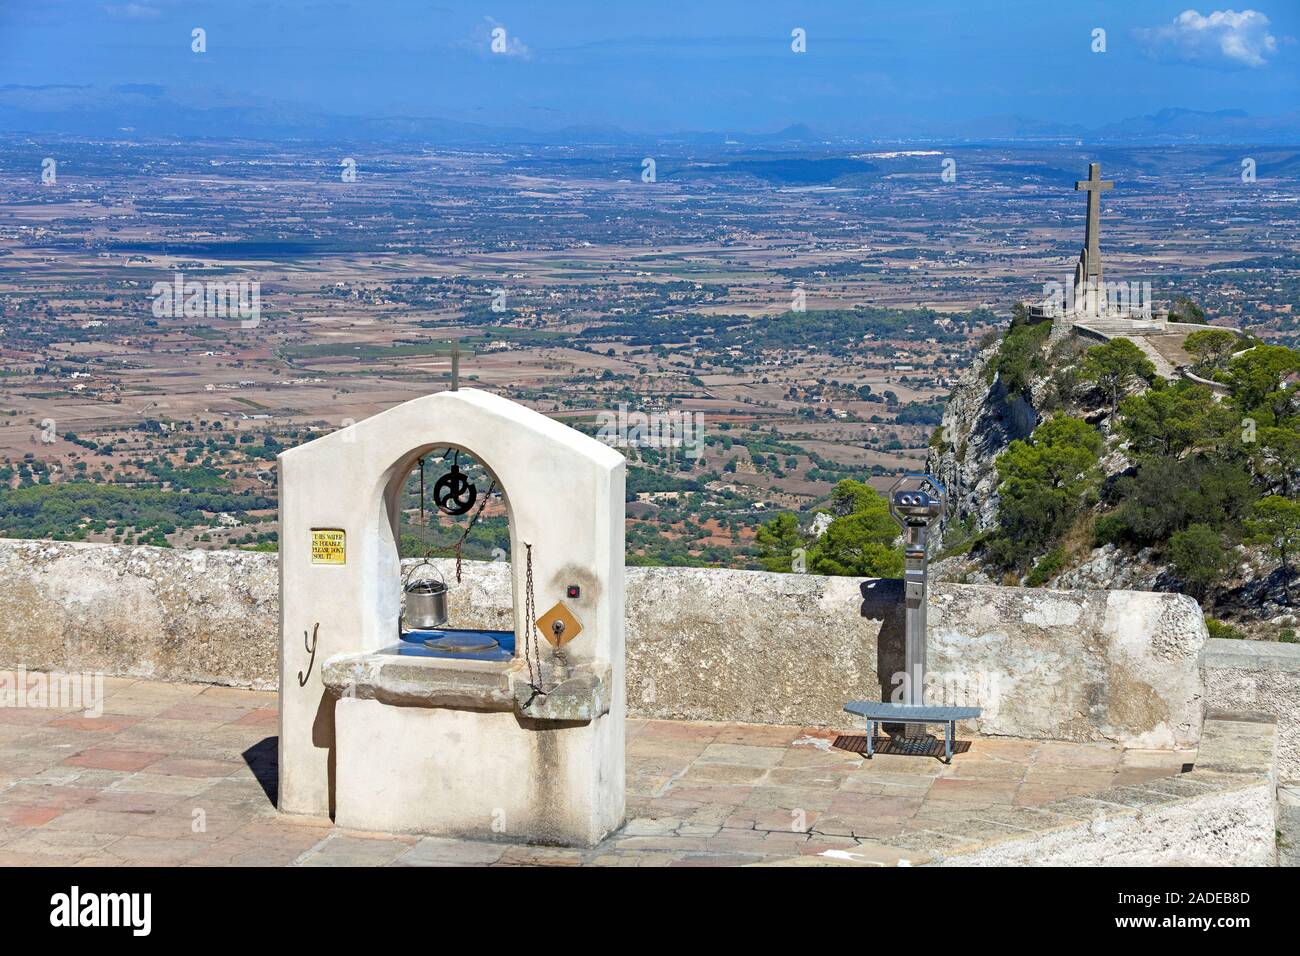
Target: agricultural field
[{"x": 781, "y": 323}]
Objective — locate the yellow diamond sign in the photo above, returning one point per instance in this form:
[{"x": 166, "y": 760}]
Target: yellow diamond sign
[{"x": 558, "y": 625}]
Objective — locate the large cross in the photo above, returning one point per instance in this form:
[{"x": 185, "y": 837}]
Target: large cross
[
  {"x": 455, "y": 364},
  {"x": 1095, "y": 186}
]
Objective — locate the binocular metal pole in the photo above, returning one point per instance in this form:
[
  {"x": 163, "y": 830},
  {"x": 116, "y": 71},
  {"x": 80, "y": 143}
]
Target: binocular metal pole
[
  {"x": 914, "y": 594},
  {"x": 917, "y": 503}
]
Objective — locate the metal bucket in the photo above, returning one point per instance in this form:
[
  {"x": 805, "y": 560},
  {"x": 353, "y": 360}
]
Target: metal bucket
[{"x": 426, "y": 602}]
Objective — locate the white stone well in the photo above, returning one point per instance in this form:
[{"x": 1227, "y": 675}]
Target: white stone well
[{"x": 453, "y": 746}]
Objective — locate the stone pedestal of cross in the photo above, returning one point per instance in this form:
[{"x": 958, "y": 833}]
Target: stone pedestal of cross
[{"x": 1087, "y": 275}]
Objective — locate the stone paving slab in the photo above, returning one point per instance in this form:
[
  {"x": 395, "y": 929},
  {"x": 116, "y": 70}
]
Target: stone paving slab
[{"x": 184, "y": 774}]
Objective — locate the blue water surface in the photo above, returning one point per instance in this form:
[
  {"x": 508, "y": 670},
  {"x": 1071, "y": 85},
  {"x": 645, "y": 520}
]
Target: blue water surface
[{"x": 412, "y": 644}]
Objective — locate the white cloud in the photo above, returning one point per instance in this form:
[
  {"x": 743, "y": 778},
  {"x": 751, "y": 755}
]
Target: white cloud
[{"x": 1224, "y": 38}]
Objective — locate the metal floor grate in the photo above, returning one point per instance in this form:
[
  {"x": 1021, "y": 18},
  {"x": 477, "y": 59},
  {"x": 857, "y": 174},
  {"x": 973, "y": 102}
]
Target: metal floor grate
[{"x": 887, "y": 745}]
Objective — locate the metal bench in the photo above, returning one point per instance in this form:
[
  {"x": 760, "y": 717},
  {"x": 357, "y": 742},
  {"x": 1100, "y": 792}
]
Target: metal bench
[{"x": 879, "y": 711}]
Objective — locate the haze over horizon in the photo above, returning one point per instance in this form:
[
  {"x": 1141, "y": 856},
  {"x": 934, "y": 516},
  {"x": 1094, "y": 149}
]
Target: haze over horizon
[{"x": 1011, "y": 69}]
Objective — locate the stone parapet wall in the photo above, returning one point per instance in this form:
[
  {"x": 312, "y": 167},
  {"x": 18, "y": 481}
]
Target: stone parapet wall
[
  {"x": 1264, "y": 677},
  {"x": 785, "y": 648},
  {"x": 703, "y": 645},
  {"x": 1217, "y": 387},
  {"x": 204, "y": 616}
]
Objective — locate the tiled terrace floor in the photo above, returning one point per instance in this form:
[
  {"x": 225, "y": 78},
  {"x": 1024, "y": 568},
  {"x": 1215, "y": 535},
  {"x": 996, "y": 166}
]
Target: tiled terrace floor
[{"x": 185, "y": 774}]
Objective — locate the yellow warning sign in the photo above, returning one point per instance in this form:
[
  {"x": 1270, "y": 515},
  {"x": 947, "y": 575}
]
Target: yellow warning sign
[
  {"x": 329, "y": 546},
  {"x": 558, "y": 625}
]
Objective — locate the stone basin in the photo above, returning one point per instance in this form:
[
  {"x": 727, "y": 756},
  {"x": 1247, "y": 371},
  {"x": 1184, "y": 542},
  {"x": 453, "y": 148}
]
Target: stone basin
[{"x": 474, "y": 682}]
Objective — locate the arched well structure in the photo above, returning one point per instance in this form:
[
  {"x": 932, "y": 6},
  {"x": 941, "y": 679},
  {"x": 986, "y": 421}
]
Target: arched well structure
[{"x": 446, "y": 745}]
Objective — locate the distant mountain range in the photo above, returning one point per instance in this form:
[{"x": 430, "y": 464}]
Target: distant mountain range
[{"x": 148, "y": 111}]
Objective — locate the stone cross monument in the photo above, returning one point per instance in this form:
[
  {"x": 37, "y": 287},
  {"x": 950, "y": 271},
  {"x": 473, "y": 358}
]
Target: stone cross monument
[
  {"x": 1088, "y": 304},
  {"x": 1087, "y": 275}
]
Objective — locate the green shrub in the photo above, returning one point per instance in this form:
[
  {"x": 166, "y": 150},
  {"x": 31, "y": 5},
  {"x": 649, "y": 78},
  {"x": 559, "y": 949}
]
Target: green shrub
[
  {"x": 1045, "y": 483},
  {"x": 1198, "y": 556},
  {"x": 1019, "y": 360},
  {"x": 1168, "y": 495},
  {"x": 1047, "y": 568},
  {"x": 1219, "y": 629},
  {"x": 1114, "y": 367},
  {"x": 860, "y": 541},
  {"x": 1110, "y": 529}
]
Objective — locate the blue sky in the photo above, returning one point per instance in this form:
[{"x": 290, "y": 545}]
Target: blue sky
[{"x": 870, "y": 66}]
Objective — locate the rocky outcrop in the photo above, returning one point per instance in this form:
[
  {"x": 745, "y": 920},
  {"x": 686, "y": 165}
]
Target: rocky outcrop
[
  {"x": 979, "y": 421},
  {"x": 1109, "y": 567}
]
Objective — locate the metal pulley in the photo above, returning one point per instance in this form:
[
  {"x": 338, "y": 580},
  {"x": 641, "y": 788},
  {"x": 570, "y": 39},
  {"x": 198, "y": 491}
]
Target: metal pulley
[{"x": 454, "y": 493}]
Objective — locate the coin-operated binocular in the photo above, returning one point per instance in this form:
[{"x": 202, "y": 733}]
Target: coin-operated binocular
[
  {"x": 917, "y": 503},
  {"x": 919, "y": 507}
]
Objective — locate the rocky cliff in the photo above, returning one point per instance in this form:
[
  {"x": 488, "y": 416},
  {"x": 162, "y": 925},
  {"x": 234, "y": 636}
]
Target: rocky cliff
[{"x": 978, "y": 424}]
